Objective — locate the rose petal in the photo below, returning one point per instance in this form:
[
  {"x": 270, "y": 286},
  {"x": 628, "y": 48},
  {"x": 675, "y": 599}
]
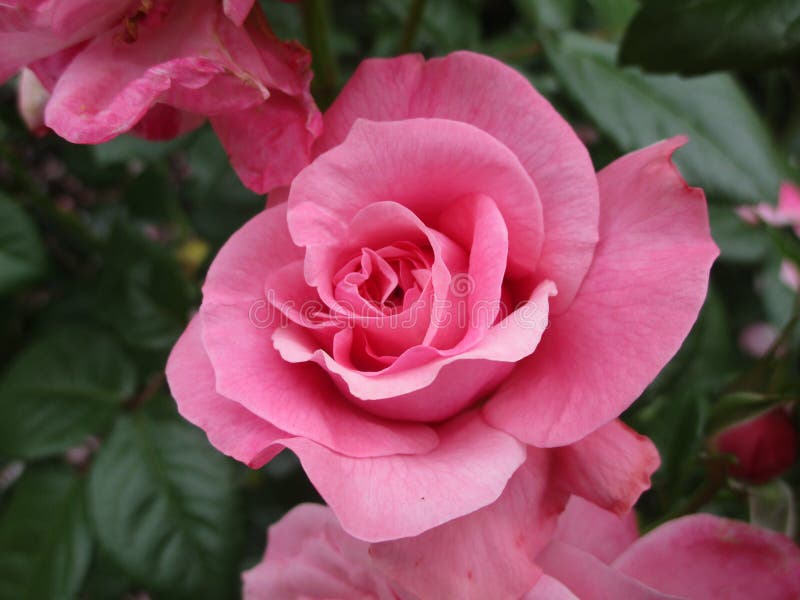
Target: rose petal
[
  {"x": 599, "y": 532},
  {"x": 702, "y": 556},
  {"x": 610, "y": 467},
  {"x": 635, "y": 307},
  {"x": 425, "y": 165},
  {"x": 31, "y": 33},
  {"x": 486, "y": 554},
  {"x": 591, "y": 579},
  {"x": 237, "y": 10},
  {"x": 460, "y": 87},
  {"x": 110, "y": 85},
  {"x": 230, "y": 427},
  {"x": 309, "y": 556},
  {"x": 385, "y": 498},
  {"x": 298, "y": 399},
  {"x": 548, "y": 588},
  {"x": 423, "y": 383}
]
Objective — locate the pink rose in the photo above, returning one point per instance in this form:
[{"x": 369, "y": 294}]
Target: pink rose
[
  {"x": 160, "y": 67},
  {"x": 764, "y": 445},
  {"x": 595, "y": 555},
  {"x": 395, "y": 323}
]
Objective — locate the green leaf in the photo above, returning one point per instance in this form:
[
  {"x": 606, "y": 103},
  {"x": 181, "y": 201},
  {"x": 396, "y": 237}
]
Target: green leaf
[
  {"x": 45, "y": 541},
  {"x": 163, "y": 505},
  {"x": 549, "y": 14},
  {"x": 614, "y": 15},
  {"x": 22, "y": 256},
  {"x": 697, "y": 36},
  {"x": 143, "y": 294},
  {"x": 220, "y": 203},
  {"x": 63, "y": 387},
  {"x": 730, "y": 153}
]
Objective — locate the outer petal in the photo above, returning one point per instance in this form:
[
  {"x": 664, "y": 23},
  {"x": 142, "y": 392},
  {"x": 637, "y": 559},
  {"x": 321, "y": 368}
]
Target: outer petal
[
  {"x": 635, "y": 307},
  {"x": 599, "y": 532},
  {"x": 309, "y": 556},
  {"x": 591, "y": 579},
  {"x": 230, "y": 427},
  {"x": 460, "y": 87},
  {"x": 487, "y": 554},
  {"x": 702, "y": 556},
  {"x": 280, "y": 148},
  {"x": 610, "y": 467},
  {"x": 298, "y": 399},
  {"x": 385, "y": 498}
]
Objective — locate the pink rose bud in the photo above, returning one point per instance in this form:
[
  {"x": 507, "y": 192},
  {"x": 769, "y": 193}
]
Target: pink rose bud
[{"x": 764, "y": 446}]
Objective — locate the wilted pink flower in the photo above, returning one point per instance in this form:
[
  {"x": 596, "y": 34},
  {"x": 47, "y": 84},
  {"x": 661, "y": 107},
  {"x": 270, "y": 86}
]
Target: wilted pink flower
[
  {"x": 764, "y": 445},
  {"x": 395, "y": 323},
  {"x": 594, "y": 555},
  {"x": 160, "y": 67}
]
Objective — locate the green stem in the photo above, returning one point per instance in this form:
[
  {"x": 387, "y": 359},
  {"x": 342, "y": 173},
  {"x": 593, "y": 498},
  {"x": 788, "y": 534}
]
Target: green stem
[
  {"x": 412, "y": 25},
  {"x": 326, "y": 72}
]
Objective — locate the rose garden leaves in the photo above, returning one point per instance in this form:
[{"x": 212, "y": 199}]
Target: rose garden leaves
[
  {"x": 45, "y": 542},
  {"x": 22, "y": 257},
  {"x": 730, "y": 153},
  {"x": 66, "y": 385},
  {"x": 697, "y": 36},
  {"x": 164, "y": 508}
]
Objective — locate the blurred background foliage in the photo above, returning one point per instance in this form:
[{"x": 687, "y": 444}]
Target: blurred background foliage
[{"x": 106, "y": 493}]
